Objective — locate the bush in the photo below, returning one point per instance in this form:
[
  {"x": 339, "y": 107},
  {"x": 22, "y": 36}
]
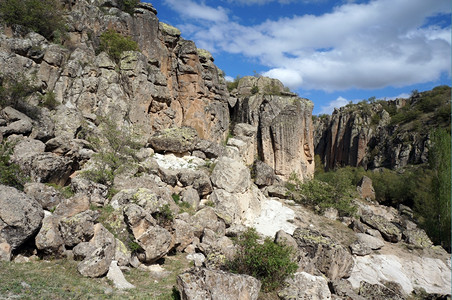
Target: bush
[
  {"x": 115, "y": 44},
  {"x": 49, "y": 101},
  {"x": 42, "y": 16},
  {"x": 234, "y": 84},
  {"x": 269, "y": 262},
  {"x": 115, "y": 153},
  {"x": 328, "y": 190},
  {"x": 128, "y": 5},
  {"x": 10, "y": 173},
  {"x": 14, "y": 90},
  {"x": 254, "y": 90}
]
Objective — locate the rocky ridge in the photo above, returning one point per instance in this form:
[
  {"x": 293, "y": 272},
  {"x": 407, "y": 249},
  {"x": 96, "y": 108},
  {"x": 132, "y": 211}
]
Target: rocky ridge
[{"x": 188, "y": 192}]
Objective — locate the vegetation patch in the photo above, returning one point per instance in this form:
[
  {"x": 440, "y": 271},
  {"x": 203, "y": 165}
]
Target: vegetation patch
[
  {"x": 42, "y": 16},
  {"x": 10, "y": 173},
  {"x": 115, "y": 44},
  {"x": 269, "y": 262}
]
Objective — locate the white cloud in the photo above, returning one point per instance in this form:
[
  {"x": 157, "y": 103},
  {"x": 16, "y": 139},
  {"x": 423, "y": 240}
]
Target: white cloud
[
  {"x": 193, "y": 10},
  {"x": 229, "y": 78},
  {"x": 372, "y": 45},
  {"x": 290, "y": 78},
  {"x": 339, "y": 102}
]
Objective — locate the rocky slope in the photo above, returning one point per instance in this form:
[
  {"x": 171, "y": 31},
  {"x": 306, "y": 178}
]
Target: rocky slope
[
  {"x": 206, "y": 164},
  {"x": 389, "y": 134}
]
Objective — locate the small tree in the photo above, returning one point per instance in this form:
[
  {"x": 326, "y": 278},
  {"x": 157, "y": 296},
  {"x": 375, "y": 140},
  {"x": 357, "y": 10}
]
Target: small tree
[
  {"x": 269, "y": 262},
  {"x": 42, "y": 16},
  {"x": 115, "y": 44},
  {"x": 10, "y": 173}
]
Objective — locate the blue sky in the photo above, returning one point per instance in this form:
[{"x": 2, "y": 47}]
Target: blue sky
[{"x": 330, "y": 52}]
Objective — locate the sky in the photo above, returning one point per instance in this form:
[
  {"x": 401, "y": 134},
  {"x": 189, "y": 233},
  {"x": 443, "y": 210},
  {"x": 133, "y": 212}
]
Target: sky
[{"x": 331, "y": 52}]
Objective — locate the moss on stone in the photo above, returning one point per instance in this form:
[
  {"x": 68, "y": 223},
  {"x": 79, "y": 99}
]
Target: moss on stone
[{"x": 169, "y": 30}]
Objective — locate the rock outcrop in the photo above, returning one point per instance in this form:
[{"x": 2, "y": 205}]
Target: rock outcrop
[{"x": 282, "y": 123}]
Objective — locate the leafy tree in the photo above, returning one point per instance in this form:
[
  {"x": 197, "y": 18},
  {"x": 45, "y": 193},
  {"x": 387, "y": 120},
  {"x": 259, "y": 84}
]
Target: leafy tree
[
  {"x": 42, "y": 16},
  {"x": 434, "y": 207},
  {"x": 115, "y": 44},
  {"x": 269, "y": 262},
  {"x": 234, "y": 84}
]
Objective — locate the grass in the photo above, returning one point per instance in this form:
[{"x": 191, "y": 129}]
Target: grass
[{"x": 59, "y": 279}]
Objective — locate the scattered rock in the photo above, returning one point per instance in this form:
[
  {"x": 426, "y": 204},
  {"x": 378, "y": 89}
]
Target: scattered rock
[
  {"x": 305, "y": 286},
  {"x": 20, "y": 216},
  {"x": 216, "y": 285},
  {"x": 388, "y": 230}
]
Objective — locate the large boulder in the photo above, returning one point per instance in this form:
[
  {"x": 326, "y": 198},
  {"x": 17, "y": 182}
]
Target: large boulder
[
  {"x": 231, "y": 175},
  {"x": 216, "y": 285},
  {"x": 97, "y": 262},
  {"x": 391, "y": 290},
  {"x": 78, "y": 228},
  {"x": 176, "y": 140},
  {"x": 46, "y": 195},
  {"x": 388, "y": 230},
  {"x": 366, "y": 189},
  {"x": 49, "y": 238},
  {"x": 20, "y": 216},
  {"x": 305, "y": 286},
  {"x": 317, "y": 252}
]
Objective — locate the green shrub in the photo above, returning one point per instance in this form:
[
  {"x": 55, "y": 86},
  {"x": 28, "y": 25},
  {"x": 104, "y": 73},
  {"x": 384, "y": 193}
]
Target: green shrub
[
  {"x": 115, "y": 153},
  {"x": 128, "y": 5},
  {"x": 269, "y": 262},
  {"x": 14, "y": 90},
  {"x": 234, "y": 84},
  {"x": 328, "y": 190},
  {"x": 10, "y": 173},
  {"x": 254, "y": 90},
  {"x": 115, "y": 44},
  {"x": 49, "y": 101},
  {"x": 42, "y": 16}
]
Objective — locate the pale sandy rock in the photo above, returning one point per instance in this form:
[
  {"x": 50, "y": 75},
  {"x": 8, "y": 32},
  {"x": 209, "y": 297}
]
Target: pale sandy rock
[
  {"x": 115, "y": 275},
  {"x": 274, "y": 216},
  {"x": 231, "y": 175},
  {"x": 409, "y": 271}
]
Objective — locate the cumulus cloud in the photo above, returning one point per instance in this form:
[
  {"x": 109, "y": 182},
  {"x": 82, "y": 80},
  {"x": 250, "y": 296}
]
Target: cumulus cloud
[
  {"x": 339, "y": 102},
  {"x": 356, "y": 45}
]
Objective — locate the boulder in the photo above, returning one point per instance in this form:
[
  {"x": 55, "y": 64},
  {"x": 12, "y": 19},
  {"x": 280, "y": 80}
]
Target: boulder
[
  {"x": 344, "y": 290},
  {"x": 96, "y": 192},
  {"x": 46, "y": 195},
  {"x": 49, "y": 238},
  {"x": 207, "y": 218},
  {"x": 190, "y": 196},
  {"x": 305, "y": 286},
  {"x": 215, "y": 285},
  {"x": 236, "y": 208},
  {"x": 366, "y": 189},
  {"x": 97, "y": 263},
  {"x": 78, "y": 228},
  {"x": 183, "y": 234},
  {"x": 5, "y": 251},
  {"x": 263, "y": 174},
  {"x": 317, "y": 252},
  {"x": 391, "y": 290},
  {"x": 370, "y": 241},
  {"x": 418, "y": 238},
  {"x": 155, "y": 240},
  {"x": 231, "y": 175},
  {"x": 20, "y": 216},
  {"x": 388, "y": 230},
  {"x": 176, "y": 140},
  {"x": 199, "y": 180}
]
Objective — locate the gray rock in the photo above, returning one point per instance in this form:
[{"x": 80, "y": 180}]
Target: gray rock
[
  {"x": 216, "y": 285},
  {"x": 176, "y": 140},
  {"x": 366, "y": 189},
  {"x": 263, "y": 174},
  {"x": 388, "y": 230},
  {"x": 360, "y": 249},
  {"x": 305, "y": 286},
  {"x": 23, "y": 127},
  {"x": 49, "y": 238},
  {"x": 46, "y": 195},
  {"x": 190, "y": 196},
  {"x": 97, "y": 263},
  {"x": 371, "y": 241},
  {"x": 319, "y": 253},
  {"x": 231, "y": 175},
  {"x": 183, "y": 234},
  {"x": 78, "y": 228},
  {"x": 20, "y": 216},
  {"x": 96, "y": 192},
  {"x": 418, "y": 238},
  {"x": 391, "y": 290},
  {"x": 5, "y": 252},
  {"x": 206, "y": 218},
  {"x": 344, "y": 290}
]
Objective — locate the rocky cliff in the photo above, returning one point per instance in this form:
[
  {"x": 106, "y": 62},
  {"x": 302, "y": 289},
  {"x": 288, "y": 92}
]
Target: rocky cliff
[
  {"x": 142, "y": 166},
  {"x": 389, "y": 134}
]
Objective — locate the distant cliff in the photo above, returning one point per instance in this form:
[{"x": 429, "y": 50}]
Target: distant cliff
[{"x": 377, "y": 134}]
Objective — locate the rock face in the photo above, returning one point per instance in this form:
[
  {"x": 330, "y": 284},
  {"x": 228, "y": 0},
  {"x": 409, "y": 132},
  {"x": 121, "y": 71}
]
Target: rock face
[
  {"x": 216, "y": 285},
  {"x": 373, "y": 135},
  {"x": 20, "y": 216},
  {"x": 283, "y": 123}
]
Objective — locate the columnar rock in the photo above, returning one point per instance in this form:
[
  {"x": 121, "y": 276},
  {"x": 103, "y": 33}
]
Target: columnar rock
[
  {"x": 284, "y": 137},
  {"x": 20, "y": 216}
]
